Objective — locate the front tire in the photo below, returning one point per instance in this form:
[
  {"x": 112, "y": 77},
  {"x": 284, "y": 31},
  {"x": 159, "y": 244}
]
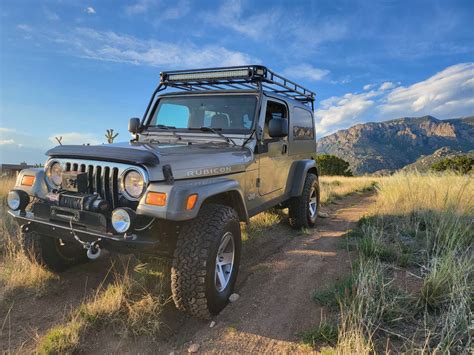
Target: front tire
[
  {"x": 53, "y": 253},
  {"x": 206, "y": 261},
  {"x": 303, "y": 209}
]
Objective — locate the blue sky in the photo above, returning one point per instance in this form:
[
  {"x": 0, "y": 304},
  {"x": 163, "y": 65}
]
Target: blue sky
[{"x": 75, "y": 68}]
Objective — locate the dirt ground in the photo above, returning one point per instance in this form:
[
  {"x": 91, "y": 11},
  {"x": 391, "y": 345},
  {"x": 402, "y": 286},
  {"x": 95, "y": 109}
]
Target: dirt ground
[{"x": 278, "y": 275}]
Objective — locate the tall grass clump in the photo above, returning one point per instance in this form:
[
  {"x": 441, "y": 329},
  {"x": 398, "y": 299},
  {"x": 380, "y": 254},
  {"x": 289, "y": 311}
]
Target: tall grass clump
[
  {"x": 334, "y": 187},
  {"x": 432, "y": 217},
  {"x": 413, "y": 288},
  {"x": 261, "y": 223},
  {"x": 133, "y": 302},
  {"x": 362, "y": 310},
  {"x": 18, "y": 272}
]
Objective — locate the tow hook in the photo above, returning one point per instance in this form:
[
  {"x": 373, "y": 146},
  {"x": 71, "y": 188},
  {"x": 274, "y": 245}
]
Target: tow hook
[{"x": 93, "y": 248}]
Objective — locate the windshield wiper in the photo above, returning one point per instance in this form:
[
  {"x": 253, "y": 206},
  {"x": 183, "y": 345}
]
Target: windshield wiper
[
  {"x": 169, "y": 128},
  {"x": 215, "y": 131}
]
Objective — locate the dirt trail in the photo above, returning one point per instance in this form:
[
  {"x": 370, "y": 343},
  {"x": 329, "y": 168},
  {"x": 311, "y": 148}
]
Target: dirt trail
[
  {"x": 279, "y": 273},
  {"x": 275, "y": 303}
]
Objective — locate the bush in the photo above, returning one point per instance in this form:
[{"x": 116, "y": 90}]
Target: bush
[
  {"x": 332, "y": 165},
  {"x": 461, "y": 164}
]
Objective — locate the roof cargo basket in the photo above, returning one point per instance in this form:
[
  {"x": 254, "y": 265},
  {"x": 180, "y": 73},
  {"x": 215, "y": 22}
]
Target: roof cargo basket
[{"x": 238, "y": 77}]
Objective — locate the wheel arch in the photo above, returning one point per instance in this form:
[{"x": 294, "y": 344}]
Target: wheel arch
[
  {"x": 231, "y": 198},
  {"x": 300, "y": 169}
]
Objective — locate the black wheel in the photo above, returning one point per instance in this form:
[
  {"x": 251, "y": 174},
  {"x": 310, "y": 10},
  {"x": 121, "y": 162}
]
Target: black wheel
[
  {"x": 206, "y": 261},
  {"x": 303, "y": 209},
  {"x": 53, "y": 253}
]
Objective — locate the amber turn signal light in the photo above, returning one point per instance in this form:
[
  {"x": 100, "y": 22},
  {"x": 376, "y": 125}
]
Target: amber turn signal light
[
  {"x": 27, "y": 180},
  {"x": 156, "y": 198},
  {"x": 191, "y": 202}
]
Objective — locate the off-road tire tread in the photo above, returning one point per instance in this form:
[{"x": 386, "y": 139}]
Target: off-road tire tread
[
  {"x": 188, "y": 274},
  {"x": 298, "y": 206}
]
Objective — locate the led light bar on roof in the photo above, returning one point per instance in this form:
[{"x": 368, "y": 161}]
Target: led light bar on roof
[{"x": 228, "y": 74}]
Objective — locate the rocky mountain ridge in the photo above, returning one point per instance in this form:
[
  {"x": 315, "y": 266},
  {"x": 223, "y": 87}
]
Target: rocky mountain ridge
[{"x": 393, "y": 144}]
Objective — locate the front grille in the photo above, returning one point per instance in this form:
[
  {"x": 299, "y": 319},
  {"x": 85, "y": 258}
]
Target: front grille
[{"x": 102, "y": 179}]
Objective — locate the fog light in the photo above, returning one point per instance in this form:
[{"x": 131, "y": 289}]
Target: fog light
[
  {"x": 122, "y": 219},
  {"x": 18, "y": 200}
]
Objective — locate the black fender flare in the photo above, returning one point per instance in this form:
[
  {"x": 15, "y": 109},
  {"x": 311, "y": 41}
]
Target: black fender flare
[
  {"x": 218, "y": 190},
  {"x": 298, "y": 173}
]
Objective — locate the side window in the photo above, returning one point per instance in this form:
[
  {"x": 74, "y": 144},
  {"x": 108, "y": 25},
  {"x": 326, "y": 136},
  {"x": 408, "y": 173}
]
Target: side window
[
  {"x": 173, "y": 115},
  {"x": 274, "y": 110},
  {"x": 303, "y": 127}
]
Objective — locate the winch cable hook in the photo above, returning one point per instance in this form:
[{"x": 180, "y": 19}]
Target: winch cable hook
[{"x": 93, "y": 249}]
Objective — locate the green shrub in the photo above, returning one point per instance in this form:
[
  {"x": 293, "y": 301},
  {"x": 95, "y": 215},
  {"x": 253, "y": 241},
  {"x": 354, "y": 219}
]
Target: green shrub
[
  {"x": 332, "y": 165},
  {"x": 462, "y": 164}
]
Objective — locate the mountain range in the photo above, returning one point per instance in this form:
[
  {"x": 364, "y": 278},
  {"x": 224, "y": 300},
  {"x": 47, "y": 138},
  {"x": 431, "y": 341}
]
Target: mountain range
[{"x": 391, "y": 145}]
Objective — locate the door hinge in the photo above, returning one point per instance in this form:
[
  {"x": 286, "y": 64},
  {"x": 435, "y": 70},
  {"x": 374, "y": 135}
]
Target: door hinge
[{"x": 258, "y": 182}]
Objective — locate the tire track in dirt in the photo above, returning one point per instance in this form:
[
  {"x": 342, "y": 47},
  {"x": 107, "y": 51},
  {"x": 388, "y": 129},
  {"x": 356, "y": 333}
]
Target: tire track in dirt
[
  {"x": 275, "y": 303},
  {"x": 279, "y": 272}
]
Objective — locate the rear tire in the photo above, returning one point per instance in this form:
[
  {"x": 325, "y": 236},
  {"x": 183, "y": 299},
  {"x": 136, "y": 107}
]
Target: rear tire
[
  {"x": 51, "y": 252},
  {"x": 206, "y": 261},
  {"x": 303, "y": 209}
]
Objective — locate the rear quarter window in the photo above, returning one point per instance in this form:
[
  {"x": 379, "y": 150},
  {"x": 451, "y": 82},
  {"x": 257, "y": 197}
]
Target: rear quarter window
[{"x": 303, "y": 124}]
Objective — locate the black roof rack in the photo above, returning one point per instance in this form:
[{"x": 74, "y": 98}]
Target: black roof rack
[{"x": 237, "y": 77}]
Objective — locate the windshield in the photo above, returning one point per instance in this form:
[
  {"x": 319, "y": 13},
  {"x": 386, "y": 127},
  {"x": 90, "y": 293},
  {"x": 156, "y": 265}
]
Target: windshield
[{"x": 233, "y": 113}]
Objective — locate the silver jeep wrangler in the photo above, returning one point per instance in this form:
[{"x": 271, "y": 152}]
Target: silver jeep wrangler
[{"x": 228, "y": 144}]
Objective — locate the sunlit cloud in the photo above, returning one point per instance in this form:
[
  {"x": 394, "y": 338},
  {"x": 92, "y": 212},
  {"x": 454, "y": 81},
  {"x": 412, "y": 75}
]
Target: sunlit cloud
[{"x": 447, "y": 94}]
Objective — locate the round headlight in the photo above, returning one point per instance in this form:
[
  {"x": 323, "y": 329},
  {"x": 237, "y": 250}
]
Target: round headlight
[
  {"x": 55, "y": 174},
  {"x": 17, "y": 200},
  {"x": 122, "y": 219},
  {"x": 134, "y": 184}
]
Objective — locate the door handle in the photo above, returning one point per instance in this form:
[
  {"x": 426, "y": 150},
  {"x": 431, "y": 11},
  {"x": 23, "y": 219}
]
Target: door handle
[{"x": 284, "y": 148}]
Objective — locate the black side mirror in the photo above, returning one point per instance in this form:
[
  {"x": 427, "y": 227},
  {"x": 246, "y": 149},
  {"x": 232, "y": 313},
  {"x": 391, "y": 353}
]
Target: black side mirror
[
  {"x": 133, "y": 125},
  {"x": 278, "y": 127}
]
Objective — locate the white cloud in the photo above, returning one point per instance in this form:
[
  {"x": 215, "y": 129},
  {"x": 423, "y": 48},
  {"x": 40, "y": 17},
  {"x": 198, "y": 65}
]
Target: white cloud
[
  {"x": 181, "y": 9},
  {"x": 368, "y": 86},
  {"x": 75, "y": 138},
  {"x": 139, "y": 7},
  {"x": 6, "y": 130},
  {"x": 6, "y": 141},
  {"x": 230, "y": 15},
  {"x": 277, "y": 24},
  {"x": 386, "y": 86},
  {"x": 90, "y": 10},
  {"x": 339, "y": 111},
  {"x": 305, "y": 71},
  {"x": 50, "y": 15},
  {"x": 114, "y": 47},
  {"x": 24, "y": 27},
  {"x": 446, "y": 94}
]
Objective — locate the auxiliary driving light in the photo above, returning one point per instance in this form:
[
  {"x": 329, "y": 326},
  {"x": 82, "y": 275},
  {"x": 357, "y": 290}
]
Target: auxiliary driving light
[
  {"x": 18, "y": 200},
  {"x": 122, "y": 219}
]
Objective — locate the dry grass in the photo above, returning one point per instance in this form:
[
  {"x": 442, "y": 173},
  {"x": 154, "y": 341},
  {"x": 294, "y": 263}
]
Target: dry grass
[
  {"x": 133, "y": 303},
  {"x": 422, "y": 224},
  {"x": 17, "y": 272},
  {"x": 334, "y": 187}
]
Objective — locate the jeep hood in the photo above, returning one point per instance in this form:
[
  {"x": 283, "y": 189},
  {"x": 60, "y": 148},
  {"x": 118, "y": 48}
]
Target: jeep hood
[{"x": 186, "y": 161}]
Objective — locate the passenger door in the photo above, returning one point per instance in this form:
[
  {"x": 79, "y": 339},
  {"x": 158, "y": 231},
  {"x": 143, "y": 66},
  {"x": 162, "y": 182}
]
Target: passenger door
[{"x": 272, "y": 153}]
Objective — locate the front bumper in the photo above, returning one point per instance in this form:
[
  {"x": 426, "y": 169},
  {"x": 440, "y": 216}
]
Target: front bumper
[{"x": 90, "y": 227}]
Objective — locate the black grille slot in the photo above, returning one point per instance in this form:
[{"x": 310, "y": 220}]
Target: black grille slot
[{"x": 102, "y": 180}]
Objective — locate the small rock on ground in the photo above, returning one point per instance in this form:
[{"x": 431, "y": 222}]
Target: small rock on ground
[
  {"x": 323, "y": 214},
  {"x": 193, "y": 348},
  {"x": 233, "y": 297},
  {"x": 212, "y": 324}
]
